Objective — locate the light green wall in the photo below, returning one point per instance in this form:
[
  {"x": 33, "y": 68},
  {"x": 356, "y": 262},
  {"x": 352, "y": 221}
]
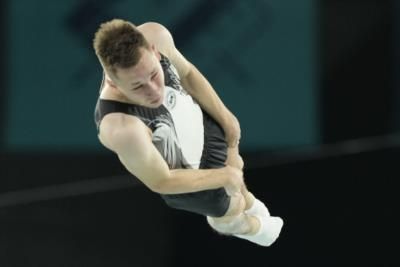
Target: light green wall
[{"x": 262, "y": 62}]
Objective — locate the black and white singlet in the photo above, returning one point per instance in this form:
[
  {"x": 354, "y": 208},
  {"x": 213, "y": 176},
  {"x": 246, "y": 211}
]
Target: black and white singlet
[{"x": 186, "y": 137}]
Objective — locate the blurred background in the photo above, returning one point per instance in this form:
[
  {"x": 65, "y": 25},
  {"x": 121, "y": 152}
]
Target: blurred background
[{"x": 314, "y": 84}]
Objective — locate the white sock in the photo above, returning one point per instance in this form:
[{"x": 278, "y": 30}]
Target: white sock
[
  {"x": 270, "y": 228},
  {"x": 258, "y": 208}
]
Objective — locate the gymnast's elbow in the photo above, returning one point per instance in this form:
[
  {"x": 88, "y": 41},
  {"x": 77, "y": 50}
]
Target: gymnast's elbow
[
  {"x": 160, "y": 187},
  {"x": 156, "y": 188}
]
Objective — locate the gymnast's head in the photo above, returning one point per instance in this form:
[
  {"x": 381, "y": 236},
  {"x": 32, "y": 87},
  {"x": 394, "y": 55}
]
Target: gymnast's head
[{"x": 131, "y": 63}]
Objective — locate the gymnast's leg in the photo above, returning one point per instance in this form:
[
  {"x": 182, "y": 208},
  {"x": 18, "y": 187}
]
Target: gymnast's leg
[{"x": 248, "y": 218}]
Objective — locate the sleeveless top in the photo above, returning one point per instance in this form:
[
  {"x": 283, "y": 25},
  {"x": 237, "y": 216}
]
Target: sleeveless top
[
  {"x": 177, "y": 125},
  {"x": 186, "y": 137}
]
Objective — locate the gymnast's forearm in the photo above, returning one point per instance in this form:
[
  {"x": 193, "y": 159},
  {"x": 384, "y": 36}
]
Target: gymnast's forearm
[
  {"x": 201, "y": 90},
  {"x": 194, "y": 180}
]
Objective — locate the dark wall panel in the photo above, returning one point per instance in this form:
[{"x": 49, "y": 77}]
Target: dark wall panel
[
  {"x": 356, "y": 83},
  {"x": 3, "y": 70}
]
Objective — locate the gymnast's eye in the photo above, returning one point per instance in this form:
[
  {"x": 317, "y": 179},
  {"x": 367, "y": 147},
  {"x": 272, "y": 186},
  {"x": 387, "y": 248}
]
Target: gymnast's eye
[{"x": 137, "y": 87}]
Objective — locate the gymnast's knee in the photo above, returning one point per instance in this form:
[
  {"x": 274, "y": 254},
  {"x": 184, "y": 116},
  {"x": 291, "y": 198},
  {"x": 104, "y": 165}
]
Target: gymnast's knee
[
  {"x": 233, "y": 219},
  {"x": 236, "y": 206}
]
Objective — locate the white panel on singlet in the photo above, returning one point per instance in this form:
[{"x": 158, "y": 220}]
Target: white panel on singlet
[{"x": 188, "y": 121}]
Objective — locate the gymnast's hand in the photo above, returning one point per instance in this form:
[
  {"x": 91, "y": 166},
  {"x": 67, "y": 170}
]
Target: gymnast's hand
[
  {"x": 234, "y": 180},
  {"x": 232, "y": 131},
  {"x": 233, "y": 158}
]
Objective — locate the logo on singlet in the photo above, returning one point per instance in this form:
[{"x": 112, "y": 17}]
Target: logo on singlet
[{"x": 171, "y": 99}]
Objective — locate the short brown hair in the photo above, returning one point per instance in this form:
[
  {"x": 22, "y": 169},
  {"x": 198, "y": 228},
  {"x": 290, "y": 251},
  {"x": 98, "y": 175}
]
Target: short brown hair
[{"x": 117, "y": 44}]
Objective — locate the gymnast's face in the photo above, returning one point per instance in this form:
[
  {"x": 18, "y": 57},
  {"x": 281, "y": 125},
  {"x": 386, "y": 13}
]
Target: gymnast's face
[{"x": 143, "y": 84}]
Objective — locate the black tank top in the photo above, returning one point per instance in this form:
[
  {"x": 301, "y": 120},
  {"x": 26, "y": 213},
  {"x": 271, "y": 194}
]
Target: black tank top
[{"x": 183, "y": 133}]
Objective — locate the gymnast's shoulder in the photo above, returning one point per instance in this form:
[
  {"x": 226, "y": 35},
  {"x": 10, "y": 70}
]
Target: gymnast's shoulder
[
  {"x": 159, "y": 36},
  {"x": 118, "y": 128}
]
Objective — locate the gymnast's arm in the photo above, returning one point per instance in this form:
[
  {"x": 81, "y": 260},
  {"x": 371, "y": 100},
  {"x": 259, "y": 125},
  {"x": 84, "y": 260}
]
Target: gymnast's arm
[
  {"x": 201, "y": 90},
  {"x": 130, "y": 139},
  {"x": 198, "y": 87}
]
